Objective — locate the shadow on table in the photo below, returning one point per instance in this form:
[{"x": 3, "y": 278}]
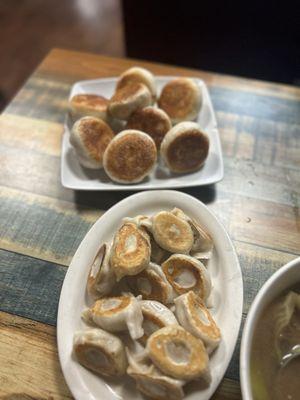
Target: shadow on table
[{"x": 103, "y": 200}]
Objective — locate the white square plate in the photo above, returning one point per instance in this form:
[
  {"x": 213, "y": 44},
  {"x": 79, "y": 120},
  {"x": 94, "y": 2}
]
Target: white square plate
[{"x": 74, "y": 176}]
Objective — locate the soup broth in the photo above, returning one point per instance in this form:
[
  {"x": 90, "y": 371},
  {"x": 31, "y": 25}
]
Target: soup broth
[{"x": 275, "y": 354}]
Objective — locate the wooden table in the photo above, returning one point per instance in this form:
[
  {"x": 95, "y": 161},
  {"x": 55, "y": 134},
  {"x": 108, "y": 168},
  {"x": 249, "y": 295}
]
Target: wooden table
[{"x": 42, "y": 223}]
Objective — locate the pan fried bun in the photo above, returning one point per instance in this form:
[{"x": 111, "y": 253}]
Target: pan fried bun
[
  {"x": 130, "y": 156},
  {"x": 181, "y": 99},
  {"x": 185, "y": 147},
  {"x": 90, "y": 137},
  {"x": 82, "y": 105},
  {"x": 140, "y": 75},
  {"x": 151, "y": 120},
  {"x": 129, "y": 99}
]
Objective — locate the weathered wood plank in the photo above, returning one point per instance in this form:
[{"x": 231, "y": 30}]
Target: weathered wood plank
[
  {"x": 52, "y": 229},
  {"x": 228, "y": 389},
  {"x": 258, "y": 201},
  {"x": 29, "y": 361},
  {"x": 47, "y": 99},
  {"x": 41, "y": 99},
  {"x": 258, "y": 106},
  {"x": 29, "y": 350},
  {"x": 260, "y": 140},
  {"x": 36, "y": 285},
  {"x": 257, "y": 264},
  {"x": 242, "y": 174},
  {"x": 253, "y": 180},
  {"x": 266, "y": 223},
  {"x": 90, "y": 66},
  {"x": 30, "y": 287},
  {"x": 42, "y": 227},
  {"x": 25, "y": 133},
  {"x": 40, "y": 173}
]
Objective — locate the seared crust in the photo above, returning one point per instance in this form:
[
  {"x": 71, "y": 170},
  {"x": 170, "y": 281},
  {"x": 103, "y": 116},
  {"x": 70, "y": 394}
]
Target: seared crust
[
  {"x": 89, "y": 105},
  {"x": 99, "y": 307},
  {"x": 100, "y": 352},
  {"x": 130, "y": 156},
  {"x": 139, "y": 75},
  {"x": 181, "y": 99},
  {"x": 172, "y": 233},
  {"x": 185, "y": 147},
  {"x": 130, "y": 251},
  {"x": 128, "y": 99},
  {"x": 90, "y": 136},
  {"x": 197, "y": 279},
  {"x": 196, "y": 319},
  {"x": 194, "y": 366},
  {"x": 151, "y": 120}
]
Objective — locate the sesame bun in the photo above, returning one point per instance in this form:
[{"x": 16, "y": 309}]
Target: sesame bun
[
  {"x": 139, "y": 75},
  {"x": 130, "y": 156},
  {"x": 181, "y": 99},
  {"x": 90, "y": 137},
  {"x": 185, "y": 147},
  {"x": 129, "y": 99},
  {"x": 151, "y": 120},
  {"x": 82, "y": 105}
]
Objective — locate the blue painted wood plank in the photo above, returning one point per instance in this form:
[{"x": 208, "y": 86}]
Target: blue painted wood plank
[{"x": 30, "y": 287}]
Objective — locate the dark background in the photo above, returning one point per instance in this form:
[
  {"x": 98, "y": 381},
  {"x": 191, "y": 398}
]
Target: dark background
[{"x": 257, "y": 39}]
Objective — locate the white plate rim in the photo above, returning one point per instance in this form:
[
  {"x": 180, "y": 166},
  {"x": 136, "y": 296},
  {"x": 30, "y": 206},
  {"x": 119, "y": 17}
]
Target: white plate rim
[
  {"x": 75, "y": 387},
  {"x": 140, "y": 186}
]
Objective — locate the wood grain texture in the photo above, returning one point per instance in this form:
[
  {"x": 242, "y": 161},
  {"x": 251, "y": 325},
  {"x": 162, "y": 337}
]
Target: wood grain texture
[
  {"x": 42, "y": 223},
  {"x": 42, "y": 227},
  {"x": 90, "y": 66},
  {"x": 29, "y": 349},
  {"x": 30, "y": 287},
  {"x": 29, "y": 361},
  {"x": 37, "y": 298},
  {"x": 25, "y": 133}
]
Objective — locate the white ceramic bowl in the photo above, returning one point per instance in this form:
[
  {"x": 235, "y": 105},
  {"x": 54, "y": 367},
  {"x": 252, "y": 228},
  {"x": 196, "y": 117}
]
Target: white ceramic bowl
[{"x": 285, "y": 277}]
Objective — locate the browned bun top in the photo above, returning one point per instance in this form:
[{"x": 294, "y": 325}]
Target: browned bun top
[
  {"x": 95, "y": 135},
  {"x": 188, "y": 150},
  {"x": 127, "y": 92},
  {"x": 89, "y": 101},
  {"x": 178, "y": 98},
  {"x": 133, "y": 77},
  {"x": 152, "y": 121},
  {"x": 130, "y": 156},
  {"x": 137, "y": 75}
]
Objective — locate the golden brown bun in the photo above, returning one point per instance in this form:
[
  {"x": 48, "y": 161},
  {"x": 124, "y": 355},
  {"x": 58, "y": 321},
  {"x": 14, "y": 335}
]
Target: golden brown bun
[
  {"x": 82, "y": 105},
  {"x": 151, "y": 120},
  {"x": 181, "y": 99},
  {"x": 185, "y": 147},
  {"x": 139, "y": 75},
  {"x": 90, "y": 136},
  {"x": 129, "y": 99},
  {"x": 130, "y": 156}
]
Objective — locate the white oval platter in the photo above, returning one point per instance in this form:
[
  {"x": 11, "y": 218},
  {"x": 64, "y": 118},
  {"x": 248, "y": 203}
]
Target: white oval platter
[{"x": 227, "y": 298}]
